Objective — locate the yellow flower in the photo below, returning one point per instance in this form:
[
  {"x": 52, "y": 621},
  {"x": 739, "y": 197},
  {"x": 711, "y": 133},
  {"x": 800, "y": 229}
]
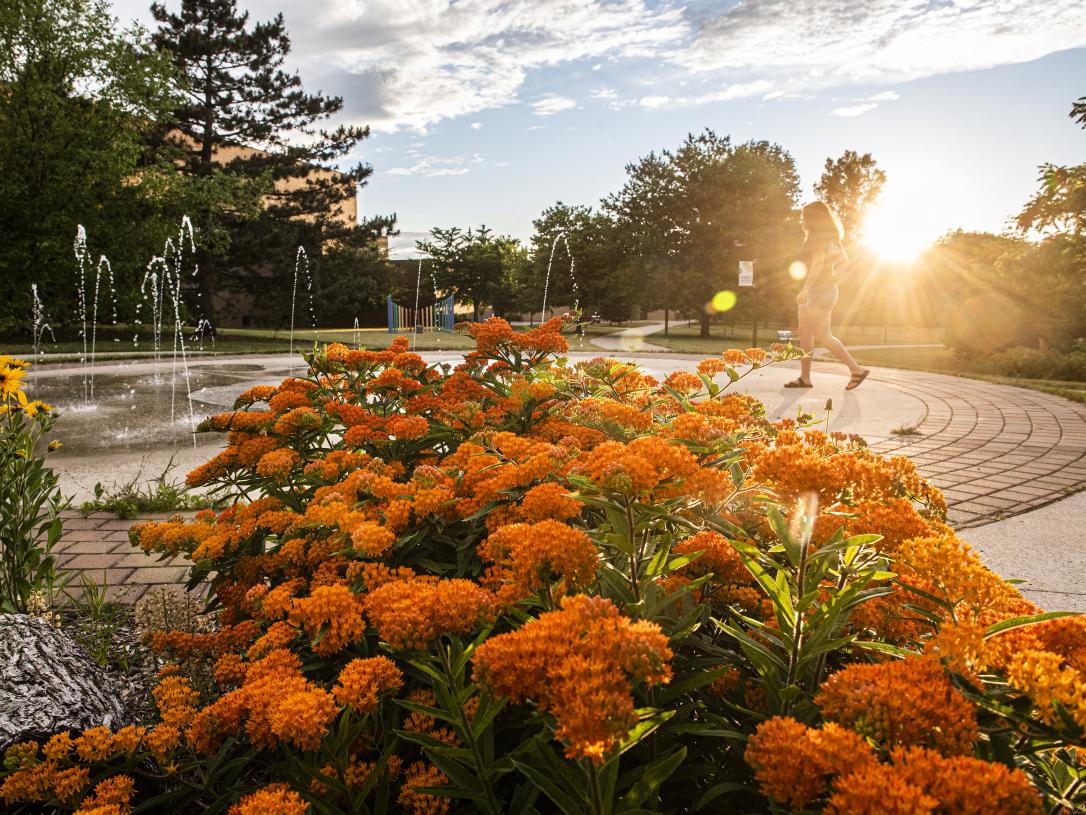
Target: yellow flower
[{"x": 9, "y": 380}]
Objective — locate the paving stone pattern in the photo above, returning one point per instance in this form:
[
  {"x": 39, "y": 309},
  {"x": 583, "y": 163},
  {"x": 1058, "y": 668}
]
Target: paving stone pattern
[
  {"x": 995, "y": 451},
  {"x": 98, "y": 545}
]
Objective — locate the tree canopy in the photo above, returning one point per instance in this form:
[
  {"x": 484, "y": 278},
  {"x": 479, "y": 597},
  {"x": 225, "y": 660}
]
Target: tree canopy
[
  {"x": 78, "y": 94},
  {"x": 690, "y": 215},
  {"x": 474, "y": 265},
  {"x": 850, "y": 184}
]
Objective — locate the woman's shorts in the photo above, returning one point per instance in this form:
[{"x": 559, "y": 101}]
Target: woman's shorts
[{"x": 822, "y": 297}]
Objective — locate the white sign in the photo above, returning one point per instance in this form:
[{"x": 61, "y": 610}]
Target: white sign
[{"x": 746, "y": 273}]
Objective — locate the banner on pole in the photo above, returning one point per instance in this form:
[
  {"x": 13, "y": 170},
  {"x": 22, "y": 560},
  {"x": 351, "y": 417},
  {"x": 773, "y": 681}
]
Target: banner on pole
[{"x": 746, "y": 273}]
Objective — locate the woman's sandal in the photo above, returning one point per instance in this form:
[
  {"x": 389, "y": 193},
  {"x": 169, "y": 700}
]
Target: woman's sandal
[
  {"x": 856, "y": 380},
  {"x": 798, "y": 383}
]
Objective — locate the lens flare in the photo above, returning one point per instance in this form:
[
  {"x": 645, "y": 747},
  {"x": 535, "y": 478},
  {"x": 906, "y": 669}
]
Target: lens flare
[
  {"x": 797, "y": 270},
  {"x": 903, "y": 224},
  {"x": 722, "y": 301}
]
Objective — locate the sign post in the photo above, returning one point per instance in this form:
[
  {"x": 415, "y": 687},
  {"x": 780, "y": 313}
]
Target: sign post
[{"x": 746, "y": 280}]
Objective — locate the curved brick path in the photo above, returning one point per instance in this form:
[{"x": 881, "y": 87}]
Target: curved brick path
[{"x": 995, "y": 451}]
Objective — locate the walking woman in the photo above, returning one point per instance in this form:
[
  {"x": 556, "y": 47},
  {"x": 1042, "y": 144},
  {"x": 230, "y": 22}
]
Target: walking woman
[{"x": 823, "y": 255}]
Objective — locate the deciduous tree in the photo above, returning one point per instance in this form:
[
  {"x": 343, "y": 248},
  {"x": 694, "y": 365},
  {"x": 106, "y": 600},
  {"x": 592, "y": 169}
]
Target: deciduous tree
[
  {"x": 688, "y": 216},
  {"x": 77, "y": 96},
  {"x": 473, "y": 266},
  {"x": 851, "y": 184}
]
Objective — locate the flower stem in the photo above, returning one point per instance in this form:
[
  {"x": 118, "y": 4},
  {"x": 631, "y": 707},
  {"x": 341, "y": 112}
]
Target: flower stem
[
  {"x": 594, "y": 788},
  {"x": 492, "y": 804}
]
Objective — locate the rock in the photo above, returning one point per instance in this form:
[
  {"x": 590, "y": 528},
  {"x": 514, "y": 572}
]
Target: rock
[{"x": 48, "y": 683}]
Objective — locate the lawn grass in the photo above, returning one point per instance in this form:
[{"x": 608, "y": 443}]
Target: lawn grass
[
  {"x": 687, "y": 339},
  {"x": 945, "y": 361}
]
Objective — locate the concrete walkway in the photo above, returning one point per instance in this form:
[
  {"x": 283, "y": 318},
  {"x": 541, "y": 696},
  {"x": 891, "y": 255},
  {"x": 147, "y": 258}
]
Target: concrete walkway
[
  {"x": 631, "y": 340},
  {"x": 1053, "y": 564}
]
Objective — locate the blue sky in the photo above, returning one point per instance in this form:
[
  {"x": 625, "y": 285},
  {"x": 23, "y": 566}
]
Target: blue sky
[{"x": 487, "y": 111}]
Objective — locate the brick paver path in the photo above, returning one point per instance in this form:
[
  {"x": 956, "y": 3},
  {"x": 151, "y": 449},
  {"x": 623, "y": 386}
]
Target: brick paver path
[
  {"x": 995, "y": 451},
  {"x": 98, "y": 546}
]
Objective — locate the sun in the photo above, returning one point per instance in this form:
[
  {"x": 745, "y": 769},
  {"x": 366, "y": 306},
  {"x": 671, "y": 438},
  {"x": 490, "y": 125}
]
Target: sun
[{"x": 898, "y": 230}]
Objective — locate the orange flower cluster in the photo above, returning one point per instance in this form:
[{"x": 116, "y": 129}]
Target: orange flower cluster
[
  {"x": 274, "y": 799},
  {"x": 275, "y": 703},
  {"x": 578, "y": 664},
  {"x": 648, "y": 468},
  {"x": 799, "y": 766},
  {"x": 276, "y": 466},
  {"x": 422, "y": 774},
  {"x": 546, "y": 556},
  {"x": 302, "y": 718},
  {"x": 110, "y": 797},
  {"x": 798, "y": 463},
  {"x": 362, "y": 681},
  {"x": 718, "y": 557},
  {"x": 410, "y": 614},
  {"x": 910, "y": 703},
  {"x": 964, "y": 785},
  {"x": 795, "y": 764},
  {"x": 332, "y": 616},
  {"x": 497, "y": 339}
]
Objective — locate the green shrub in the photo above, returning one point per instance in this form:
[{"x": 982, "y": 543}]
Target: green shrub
[
  {"x": 1033, "y": 363},
  {"x": 525, "y": 586},
  {"x": 30, "y": 502}
]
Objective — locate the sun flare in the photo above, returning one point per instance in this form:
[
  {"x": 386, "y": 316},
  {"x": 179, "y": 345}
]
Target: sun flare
[{"x": 897, "y": 229}]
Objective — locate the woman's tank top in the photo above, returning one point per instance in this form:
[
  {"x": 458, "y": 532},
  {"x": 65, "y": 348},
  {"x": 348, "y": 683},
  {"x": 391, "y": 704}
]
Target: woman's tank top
[{"x": 835, "y": 260}]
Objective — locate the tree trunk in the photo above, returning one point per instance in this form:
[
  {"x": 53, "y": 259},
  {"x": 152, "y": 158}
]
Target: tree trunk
[
  {"x": 666, "y": 313},
  {"x": 704, "y": 325},
  {"x": 475, "y": 309}
]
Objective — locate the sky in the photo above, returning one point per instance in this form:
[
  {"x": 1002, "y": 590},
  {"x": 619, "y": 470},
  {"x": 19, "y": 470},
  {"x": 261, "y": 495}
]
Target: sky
[{"x": 489, "y": 111}]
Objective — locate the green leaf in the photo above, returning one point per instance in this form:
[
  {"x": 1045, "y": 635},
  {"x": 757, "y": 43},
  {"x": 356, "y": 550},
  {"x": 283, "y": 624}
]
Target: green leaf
[
  {"x": 565, "y": 802},
  {"x": 717, "y": 790},
  {"x": 691, "y": 683},
  {"x": 883, "y": 647},
  {"x": 653, "y": 777},
  {"x": 645, "y": 727},
  {"x": 1031, "y": 619}
]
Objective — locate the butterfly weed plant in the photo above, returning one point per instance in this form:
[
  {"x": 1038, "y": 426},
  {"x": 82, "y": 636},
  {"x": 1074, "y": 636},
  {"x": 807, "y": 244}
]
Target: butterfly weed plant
[{"x": 524, "y": 584}]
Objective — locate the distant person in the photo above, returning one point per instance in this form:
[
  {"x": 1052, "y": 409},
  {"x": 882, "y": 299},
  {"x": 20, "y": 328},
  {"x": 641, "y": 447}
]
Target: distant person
[{"x": 823, "y": 256}]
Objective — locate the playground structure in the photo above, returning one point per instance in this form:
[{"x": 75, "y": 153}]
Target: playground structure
[{"x": 436, "y": 317}]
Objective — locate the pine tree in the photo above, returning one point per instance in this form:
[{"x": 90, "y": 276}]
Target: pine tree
[{"x": 237, "y": 95}]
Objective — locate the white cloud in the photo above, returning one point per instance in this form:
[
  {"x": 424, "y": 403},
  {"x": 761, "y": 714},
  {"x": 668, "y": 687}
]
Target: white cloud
[
  {"x": 410, "y": 65},
  {"x": 552, "y": 104},
  {"x": 822, "y": 43},
  {"x": 866, "y": 104},
  {"x": 414, "y": 64},
  {"x": 604, "y": 93},
  {"x": 853, "y": 110},
  {"x": 476, "y": 125},
  {"x": 433, "y": 166},
  {"x": 725, "y": 94},
  {"x": 655, "y": 101}
]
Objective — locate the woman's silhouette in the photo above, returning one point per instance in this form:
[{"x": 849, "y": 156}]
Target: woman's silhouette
[{"x": 822, "y": 256}]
